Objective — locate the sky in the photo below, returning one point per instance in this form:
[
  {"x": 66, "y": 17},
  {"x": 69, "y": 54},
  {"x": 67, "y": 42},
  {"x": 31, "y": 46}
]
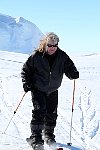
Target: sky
[
  {"x": 76, "y": 22},
  {"x": 85, "y": 133}
]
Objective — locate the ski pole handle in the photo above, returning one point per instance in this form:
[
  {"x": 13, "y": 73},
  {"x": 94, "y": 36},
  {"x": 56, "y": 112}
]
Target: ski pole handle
[{"x": 19, "y": 103}]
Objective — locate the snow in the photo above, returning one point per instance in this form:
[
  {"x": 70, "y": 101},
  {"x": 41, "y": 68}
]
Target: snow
[
  {"x": 18, "y": 34},
  {"x": 85, "y": 133}
]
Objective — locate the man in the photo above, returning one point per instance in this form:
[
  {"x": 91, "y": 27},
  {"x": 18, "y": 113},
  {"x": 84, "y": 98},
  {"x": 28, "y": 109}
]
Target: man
[{"x": 42, "y": 74}]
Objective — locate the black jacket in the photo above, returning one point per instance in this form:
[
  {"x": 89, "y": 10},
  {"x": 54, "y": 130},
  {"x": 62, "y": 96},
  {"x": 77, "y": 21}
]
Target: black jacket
[{"x": 46, "y": 75}]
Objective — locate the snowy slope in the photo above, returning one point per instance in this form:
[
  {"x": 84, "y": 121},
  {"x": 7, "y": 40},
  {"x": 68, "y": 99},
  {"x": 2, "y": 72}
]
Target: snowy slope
[
  {"x": 18, "y": 34},
  {"x": 85, "y": 131}
]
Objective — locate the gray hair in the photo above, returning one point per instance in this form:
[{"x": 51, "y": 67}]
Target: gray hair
[
  {"x": 50, "y": 36},
  {"x": 53, "y": 37}
]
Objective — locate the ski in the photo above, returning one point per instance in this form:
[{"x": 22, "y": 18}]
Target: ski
[
  {"x": 59, "y": 148},
  {"x": 55, "y": 147}
]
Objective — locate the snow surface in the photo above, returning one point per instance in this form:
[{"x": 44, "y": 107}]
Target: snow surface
[
  {"x": 86, "y": 121},
  {"x": 18, "y": 34}
]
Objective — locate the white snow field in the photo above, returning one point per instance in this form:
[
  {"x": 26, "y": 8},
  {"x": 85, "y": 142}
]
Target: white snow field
[{"x": 85, "y": 133}]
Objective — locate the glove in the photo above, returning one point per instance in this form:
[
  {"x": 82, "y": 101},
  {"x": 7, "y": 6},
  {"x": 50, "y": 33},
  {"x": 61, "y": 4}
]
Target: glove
[
  {"x": 75, "y": 75},
  {"x": 27, "y": 87}
]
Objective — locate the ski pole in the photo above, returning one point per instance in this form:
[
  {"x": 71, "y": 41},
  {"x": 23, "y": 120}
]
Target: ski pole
[
  {"x": 14, "y": 112},
  {"x": 69, "y": 144}
]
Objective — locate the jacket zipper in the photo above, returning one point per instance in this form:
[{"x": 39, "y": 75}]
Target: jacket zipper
[
  {"x": 49, "y": 78},
  {"x": 49, "y": 83}
]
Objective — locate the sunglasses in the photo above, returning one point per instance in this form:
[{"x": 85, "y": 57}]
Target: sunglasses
[{"x": 49, "y": 45}]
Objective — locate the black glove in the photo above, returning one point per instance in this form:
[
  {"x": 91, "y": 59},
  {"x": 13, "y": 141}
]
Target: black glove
[
  {"x": 27, "y": 87},
  {"x": 75, "y": 75}
]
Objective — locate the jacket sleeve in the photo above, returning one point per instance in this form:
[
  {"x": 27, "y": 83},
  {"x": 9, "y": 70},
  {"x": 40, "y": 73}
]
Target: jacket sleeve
[
  {"x": 26, "y": 72},
  {"x": 70, "y": 70}
]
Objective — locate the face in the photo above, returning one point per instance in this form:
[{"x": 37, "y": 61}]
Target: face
[{"x": 51, "y": 47}]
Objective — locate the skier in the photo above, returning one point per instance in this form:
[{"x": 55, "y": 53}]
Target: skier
[{"x": 42, "y": 74}]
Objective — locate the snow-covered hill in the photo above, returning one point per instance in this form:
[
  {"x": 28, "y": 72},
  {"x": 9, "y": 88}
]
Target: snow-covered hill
[
  {"x": 86, "y": 120},
  {"x": 18, "y": 34}
]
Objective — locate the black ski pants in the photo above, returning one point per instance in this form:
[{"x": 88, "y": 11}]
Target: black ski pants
[{"x": 44, "y": 114}]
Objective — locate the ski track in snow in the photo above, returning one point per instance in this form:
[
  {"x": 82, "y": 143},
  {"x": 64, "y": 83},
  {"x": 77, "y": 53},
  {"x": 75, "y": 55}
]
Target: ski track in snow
[
  {"x": 88, "y": 120},
  {"x": 89, "y": 124}
]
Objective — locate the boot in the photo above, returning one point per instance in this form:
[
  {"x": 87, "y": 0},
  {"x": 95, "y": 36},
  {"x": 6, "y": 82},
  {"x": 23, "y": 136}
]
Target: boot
[
  {"x": 38, "y": 146},
  {"x": 35, "y": 140},
  {"x": 50, "y": 137}
]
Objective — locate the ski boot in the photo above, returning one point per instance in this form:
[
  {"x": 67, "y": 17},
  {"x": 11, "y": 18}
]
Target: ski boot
[{"x": 38, "y": 145}]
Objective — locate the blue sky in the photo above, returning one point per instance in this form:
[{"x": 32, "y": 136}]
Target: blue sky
[{"x": 76, "y": 22}]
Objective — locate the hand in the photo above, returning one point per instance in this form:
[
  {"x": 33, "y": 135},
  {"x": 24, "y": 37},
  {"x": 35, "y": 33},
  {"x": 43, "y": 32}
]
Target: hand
[
  {"x": 27, "y": 87},
  {"x": 75, "y": 75}
]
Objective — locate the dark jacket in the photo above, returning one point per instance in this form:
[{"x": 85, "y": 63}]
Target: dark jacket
[{"x": 40, "y": 74}]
